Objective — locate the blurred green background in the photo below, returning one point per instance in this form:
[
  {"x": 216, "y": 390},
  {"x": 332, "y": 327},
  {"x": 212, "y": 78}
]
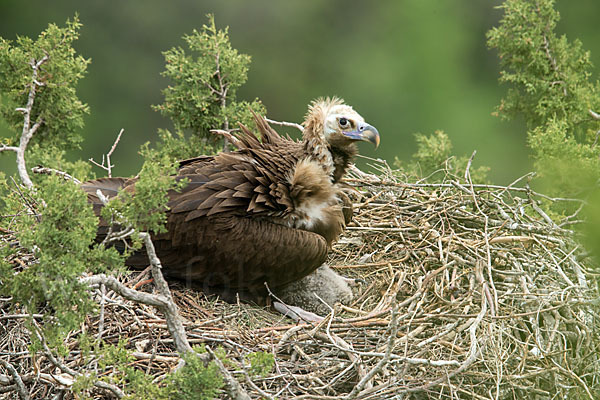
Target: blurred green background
[{"x": 406, "y": 65}]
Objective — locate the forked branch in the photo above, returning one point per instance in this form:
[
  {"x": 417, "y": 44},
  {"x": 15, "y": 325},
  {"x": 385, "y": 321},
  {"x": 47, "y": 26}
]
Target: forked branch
[{"x": 108, "y": 167}]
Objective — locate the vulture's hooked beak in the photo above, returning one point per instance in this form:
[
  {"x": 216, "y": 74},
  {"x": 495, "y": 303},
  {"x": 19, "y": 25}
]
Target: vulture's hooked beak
[{"x": 364, "y": 132}]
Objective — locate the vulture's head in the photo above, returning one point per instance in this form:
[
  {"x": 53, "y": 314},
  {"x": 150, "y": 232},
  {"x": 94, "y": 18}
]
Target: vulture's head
[
  {"x": 338, "y": 123},
  {"x": 331, "y": 129}
]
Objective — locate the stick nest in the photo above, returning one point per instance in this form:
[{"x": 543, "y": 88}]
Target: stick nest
[{"x": 470, "y": 292}]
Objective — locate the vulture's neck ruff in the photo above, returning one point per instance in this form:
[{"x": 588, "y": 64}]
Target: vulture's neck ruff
[
  {"x": 331, "y": 129},
  {"x": 319, "y": 150}
]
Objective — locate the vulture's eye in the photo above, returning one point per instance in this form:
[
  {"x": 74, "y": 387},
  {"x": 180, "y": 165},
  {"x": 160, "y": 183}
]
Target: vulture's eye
[{"x": 344, "y": 122}]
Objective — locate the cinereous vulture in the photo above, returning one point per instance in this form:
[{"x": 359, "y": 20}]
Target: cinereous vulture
[{"x": 267, "y": 212}]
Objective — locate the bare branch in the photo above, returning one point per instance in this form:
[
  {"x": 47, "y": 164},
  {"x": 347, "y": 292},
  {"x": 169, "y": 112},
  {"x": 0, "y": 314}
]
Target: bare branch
[
  {"x": 163, "y": 301},
  {"x": 108, "y": 167},
  {"x": 114, "y": 146},
  {"x": 254, "y": 386},
  {"x": 57, "y": 363},
  {"x": 130, "y": 294},
  {"x": 169, "y": 308},
  {"x": 35, "y": 127},
  {"x": 21, "y": 389},
  {"x": 467, "y": 170},
  {"x": 553, "y": 63},
  {"x": 8, "y": 148},
  {"x": 28, "y": 130},
  {"x": 102, "y": 311},
  {"x": 223, "y": 88},
  {"x": 594, "y": 114},
  {"x": 234, "y": 389},
  {"x": 284, "y": 123},
  {"x": 52, "y": 171},
  {"x": 596, "y": 139},
  {"x": 228, "y": 136}
]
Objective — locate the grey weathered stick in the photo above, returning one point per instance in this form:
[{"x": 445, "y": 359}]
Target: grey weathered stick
[
  {"x": 284, "y": 123},
  {"x": 130, "y": 294},
  {"x": 467, "y": 170},
  {"x": 21, "y": 389},
  {"x": 52, "y": 171},
  {"x": 108, "y": 167},
  {"x": 234, "y": 389},
  {"x": 170, "y": 309},
  {"x": 102, "y": 308},
  {"x": 163, "y": 301}
]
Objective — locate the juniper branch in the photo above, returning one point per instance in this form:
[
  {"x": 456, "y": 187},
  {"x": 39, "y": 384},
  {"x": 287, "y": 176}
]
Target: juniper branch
[{"x": 28, "y": 130}]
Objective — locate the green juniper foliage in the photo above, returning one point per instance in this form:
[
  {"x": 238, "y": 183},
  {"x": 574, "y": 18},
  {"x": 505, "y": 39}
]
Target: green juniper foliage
[
  {"x": 178, "y": 146},
  {"x": 56, "y": 105},
  {"x": 55, "y": 157},
  {"x": 261, "y": 363},
  {"x": 56, "y": 101},
  {"x": 549, "y": 85},
  {"x": 195, "y": 381},
  {"x": 202, "y": 96},
  {"x": 55, "y": 221},
  {"x": 61, "y": 242},
  {"x": 144, "y": 211}
]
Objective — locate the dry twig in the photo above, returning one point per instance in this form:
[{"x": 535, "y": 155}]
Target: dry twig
[{"x": 108, "y": 167}]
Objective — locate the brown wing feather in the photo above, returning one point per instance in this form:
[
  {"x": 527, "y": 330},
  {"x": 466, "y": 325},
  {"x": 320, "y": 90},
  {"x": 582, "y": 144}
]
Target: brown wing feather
[
  {"x": 257, "y": 175},
  {"x": 245, "y": 175}
]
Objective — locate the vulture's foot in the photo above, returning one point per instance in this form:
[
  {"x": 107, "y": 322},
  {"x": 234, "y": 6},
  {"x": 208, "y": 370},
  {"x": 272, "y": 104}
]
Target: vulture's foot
[
  {"x": 321, "y": 286},
  {"x": 296, "y": 313}
]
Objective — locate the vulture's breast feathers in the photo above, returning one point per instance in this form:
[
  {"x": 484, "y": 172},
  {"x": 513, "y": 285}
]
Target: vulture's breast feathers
[{"x": 316, "y": 201}]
